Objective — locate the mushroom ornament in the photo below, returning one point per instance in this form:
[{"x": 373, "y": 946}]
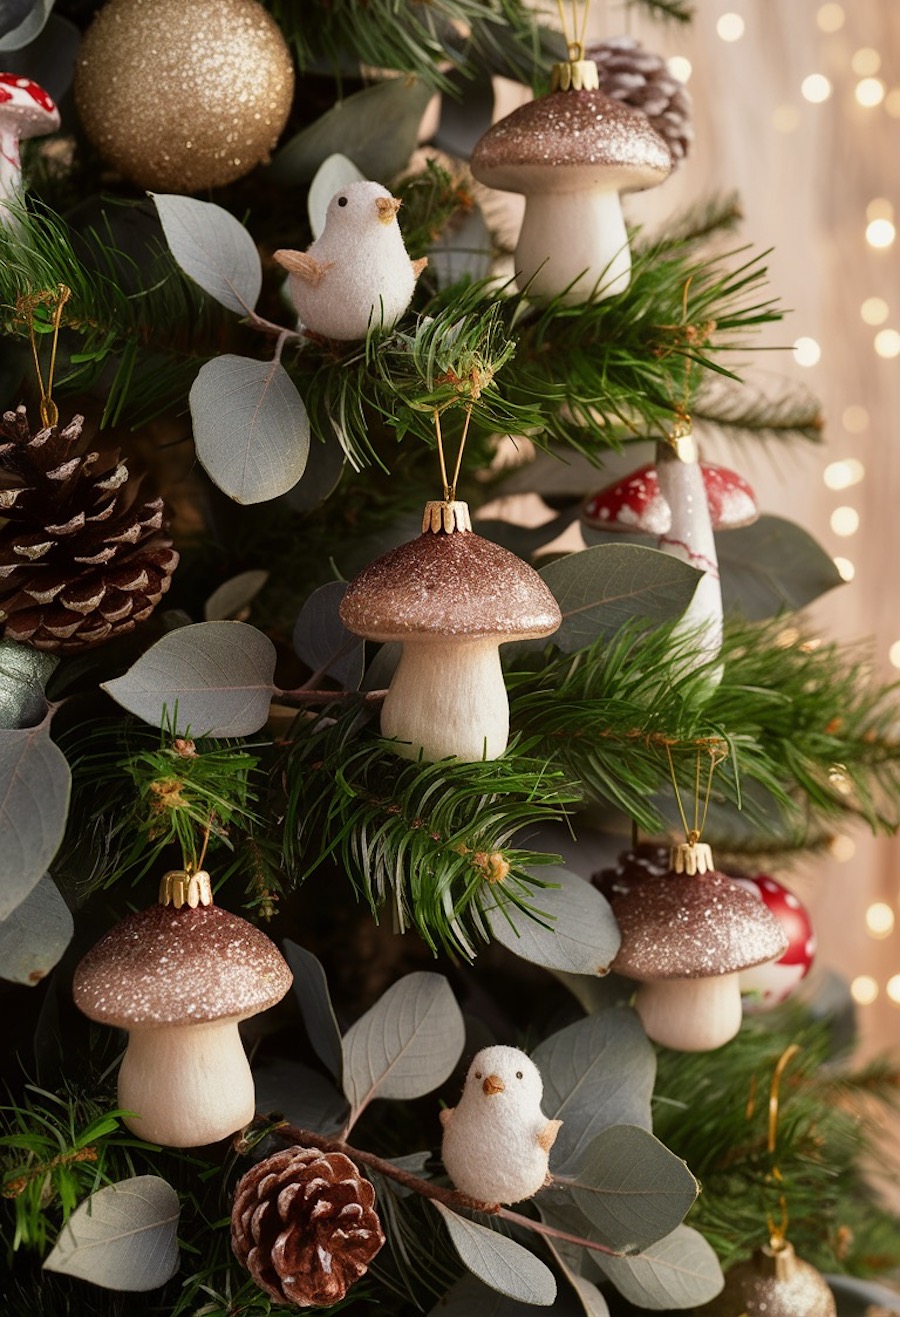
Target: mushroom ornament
[
  {"x": 357, "y": 273},
  {"x": 180, "y": 980},
  {"x": 572, "y": 153},
  {"x": 766, "y": 986},
  {"x": 452, "y": 598},
  {"x": 26, "y": 110},
  {"x": 686, "y": 936},
  {"x": 497, "y": 1142}
]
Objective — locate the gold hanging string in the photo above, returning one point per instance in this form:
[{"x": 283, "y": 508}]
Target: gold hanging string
[
  {"x": 778, "y": 1230},
  {"x": 576, "y": 41},
  {"x": 688, "y": 831},
  {"x": 49, "y": 410},
  {"x": 716, "y": 754},
  {"x": 450, "y": 485}
]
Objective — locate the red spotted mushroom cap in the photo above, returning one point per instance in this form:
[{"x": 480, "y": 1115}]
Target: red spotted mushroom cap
[
  {"x": 33, "y": 109},
  {"x": 636, "y": 503}
]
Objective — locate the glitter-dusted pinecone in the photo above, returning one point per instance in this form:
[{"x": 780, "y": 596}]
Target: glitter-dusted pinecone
[
  {"x": 84, "y": 555},
  {"x": 636, "y": 76},
  {"x": 305, "y": 1227}
]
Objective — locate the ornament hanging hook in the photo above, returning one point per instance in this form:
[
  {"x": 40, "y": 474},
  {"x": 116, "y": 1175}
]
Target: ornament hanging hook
[
  {"x": 450, "y": 485},
  {"x": 778, "y": 1230},
  {"x": 49, "y": 410}
]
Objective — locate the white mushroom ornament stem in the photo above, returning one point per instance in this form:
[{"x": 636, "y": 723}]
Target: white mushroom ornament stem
[{"x": 26, "y": 110}]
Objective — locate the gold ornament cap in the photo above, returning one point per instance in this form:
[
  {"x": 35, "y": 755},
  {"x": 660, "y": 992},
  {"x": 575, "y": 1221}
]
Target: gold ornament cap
[
  {"x": 446, "y": 515},
  {"x": 692, "y": 857},
  {"x": 181, "y": 887},
  {"x": 575, "y": 75}
]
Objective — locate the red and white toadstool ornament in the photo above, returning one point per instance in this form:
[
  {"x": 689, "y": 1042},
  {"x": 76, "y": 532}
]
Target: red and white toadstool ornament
[
  {"x": 768, "y": 985},
  {"x": 26, "y": 110}
]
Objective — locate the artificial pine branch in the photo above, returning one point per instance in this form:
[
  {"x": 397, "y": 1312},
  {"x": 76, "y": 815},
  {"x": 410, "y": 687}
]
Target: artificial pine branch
[{"x": 678, "y": 10}]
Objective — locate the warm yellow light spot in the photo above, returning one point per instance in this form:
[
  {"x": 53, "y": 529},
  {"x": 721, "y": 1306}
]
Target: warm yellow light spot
[
  {"x": 807, "y": 352},
  {"x": 874, "y": 310},
  {"x": 892, "y": 102},
  {"x": 887, "y": 343},
  {"x": 845, "y": 567},
  {"x": 865, "y": 62},
  {"x": 864, "y": 990},
  {"x": 894, "y": 654},
  {"x": 880, "y": 919},
  {"x": 892, "y": 988},
  {"x": 869, "y": 92},
  {"x": 680, "y": 67},
  {"x": 880, "y": 233},
  {"x": 730, "y": 27},
  {"x": 815, "y": 88},
  {"x": 787, "y": 638},
  {"x": 841, "y": 475},
  {"x": 830, "y": 18},
  {"x": 880, "y": 208},
  {"x": 855, "y": 418},
  {"x": 843, "y": 848},
  {"x": 845, "y": 521},
  {"x": 785, "y": 118}
]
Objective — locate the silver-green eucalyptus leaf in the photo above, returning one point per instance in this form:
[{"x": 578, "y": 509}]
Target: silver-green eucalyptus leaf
[
  {"x": 336, "y": 172},
  {"x": 499, "y": 1261},
  {"x": 122, "y": 1237},
  {"x": 300, "y": 1094},
  {"x": 213, "y": 248},
  {"x": 589, "y": 1297},
  {"x": 406, "y": 1045},
  {"x": 35, "y": 934},
  {"x": 310, "y": 989},
  {"x": 323, "y": 642},
  {"x": 24, "y": 672},
  {"x": 632, "y": 1189},
  {"x": 470, "y": 1297},
  {"x": 34, "y": 801},
  {"x": 251, "y": 428},
  {"x": 213, "y": 678},
  {"x": 234, "y": 596},
  {"x": 597, "y": 1072},
  {"x": 680, "y": 1270},
  {"x": 772, "y": 565},
  {"x": 574, "y": 929}
]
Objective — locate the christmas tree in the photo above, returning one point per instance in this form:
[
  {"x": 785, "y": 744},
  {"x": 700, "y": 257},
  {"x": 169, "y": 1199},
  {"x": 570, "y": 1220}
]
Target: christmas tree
[{"x": 385, "y": 906}]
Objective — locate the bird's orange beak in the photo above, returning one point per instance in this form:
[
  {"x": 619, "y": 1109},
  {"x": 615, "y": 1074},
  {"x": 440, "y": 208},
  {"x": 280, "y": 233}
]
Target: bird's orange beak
[
  {"x": 387, "y": 208},
  {"x": 493, "y": 1084}
]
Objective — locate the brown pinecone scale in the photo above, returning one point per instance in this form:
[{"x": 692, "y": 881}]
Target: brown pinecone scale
[
  {"x": 304, "y": 1225},
  {"x": 84, "y": 555},
  {"x": 636, "y": 76}
]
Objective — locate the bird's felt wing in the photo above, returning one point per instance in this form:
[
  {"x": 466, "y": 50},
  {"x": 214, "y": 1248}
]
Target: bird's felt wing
[
  {"x": 303, "y": 265},
  {"x": 446, "y": 1115},
  {"x": 418, "y": 266},
  {"x": 547, "y": 1136}
]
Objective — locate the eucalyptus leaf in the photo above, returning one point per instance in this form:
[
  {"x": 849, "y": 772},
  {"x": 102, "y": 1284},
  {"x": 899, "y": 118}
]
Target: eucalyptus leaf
[
  {"x": 311, "y": 991},
  {"x": 383, "y": 666},
  {"x": 35, "y": 934},
  {"x": 679, "y": 1271},
  {"x": 470, "y": 1297},
  {"x": 34, "y": 801},
  {"x": 122, "y": 1237},
  {"x": 770, "y": 566},
  {"x": 600, "y": 589},
  {"x": 589, "y": 1297},
  {"x": 215, "y": 678},
  {"x": 573, "y": 928},
  {"x": 631, "y": 1188},
  {"x": 213, "y": 248},
  {"x": 324, "y": 468},
  {"x": 597, "y": 1072},
  {"x": 406, "y": 1045},
  {"x": 499, "y": 1261},
  {"x": 251, "y": 430},
  {"x": 463, "y": 250},
  {"x": 333, "y": 174},
  {"x": 300, "y": 1094},
  {"x": 21, "y": 21},
  {"x": 467, "y": 112},
  {"x": 324, "y": 643},
  {"x": 234, "y": 595},
  {"x": 524, "y": 540},
  {"x": 24, "y": 672},
  {"x": 381, "y": 122}
]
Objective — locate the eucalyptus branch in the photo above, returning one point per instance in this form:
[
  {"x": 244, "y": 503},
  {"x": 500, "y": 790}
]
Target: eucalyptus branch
[
  {"x": 301, "y": 696},
  {"x": 451, "y": 1198}
]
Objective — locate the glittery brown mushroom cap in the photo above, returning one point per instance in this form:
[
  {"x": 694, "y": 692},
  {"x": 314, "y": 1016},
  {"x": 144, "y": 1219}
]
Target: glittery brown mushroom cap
[
  {"x": 680, "y": 927},
  {"x": 568, "y": 141},
  {"x": 166, "y": 966},
  {"x": 455, "y": 584}
]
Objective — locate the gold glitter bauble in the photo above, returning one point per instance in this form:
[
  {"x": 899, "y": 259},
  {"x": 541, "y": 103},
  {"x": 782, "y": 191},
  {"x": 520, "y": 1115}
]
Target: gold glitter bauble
[
  {"x": 181, "y": 95},
  {"x": 773, "y": 1283}
]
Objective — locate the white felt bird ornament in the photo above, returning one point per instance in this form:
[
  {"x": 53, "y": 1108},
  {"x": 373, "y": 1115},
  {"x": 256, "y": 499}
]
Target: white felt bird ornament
[
  {"x": 497, "y": 1142},
  {"x": 358, "y": 271}
]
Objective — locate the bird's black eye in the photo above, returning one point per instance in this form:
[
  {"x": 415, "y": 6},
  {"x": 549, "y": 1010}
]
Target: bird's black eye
[
  {"x": 518, "y": 1074},
  {"x": 342, "y": 201},
  {"x": 477, "y": 1074}
]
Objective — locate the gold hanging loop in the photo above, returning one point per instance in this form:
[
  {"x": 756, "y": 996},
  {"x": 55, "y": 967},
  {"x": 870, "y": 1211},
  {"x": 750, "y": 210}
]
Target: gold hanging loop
[
  {"x": 778, "y": 1229},
  {"x": 48, "y": 408}
]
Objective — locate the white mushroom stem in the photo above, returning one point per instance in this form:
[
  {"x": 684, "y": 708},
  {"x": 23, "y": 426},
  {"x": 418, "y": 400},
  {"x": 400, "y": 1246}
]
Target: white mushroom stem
[
  {"x": 448, "y": 697},
  {"x": 691, "y": 1015},
  {"x": 690, "y": 538},
  {"x": 576, "y": 238},
  {"x": 10, "y": 170},
  {"x": 188, "y": 1084}
]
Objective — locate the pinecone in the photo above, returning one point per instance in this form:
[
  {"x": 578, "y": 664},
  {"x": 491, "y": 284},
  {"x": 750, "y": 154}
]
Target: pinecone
[
  {"x": 636, "y": 76},
  {"x": 84, "y": 556},
  {"x": 304, "y": 1225}
]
